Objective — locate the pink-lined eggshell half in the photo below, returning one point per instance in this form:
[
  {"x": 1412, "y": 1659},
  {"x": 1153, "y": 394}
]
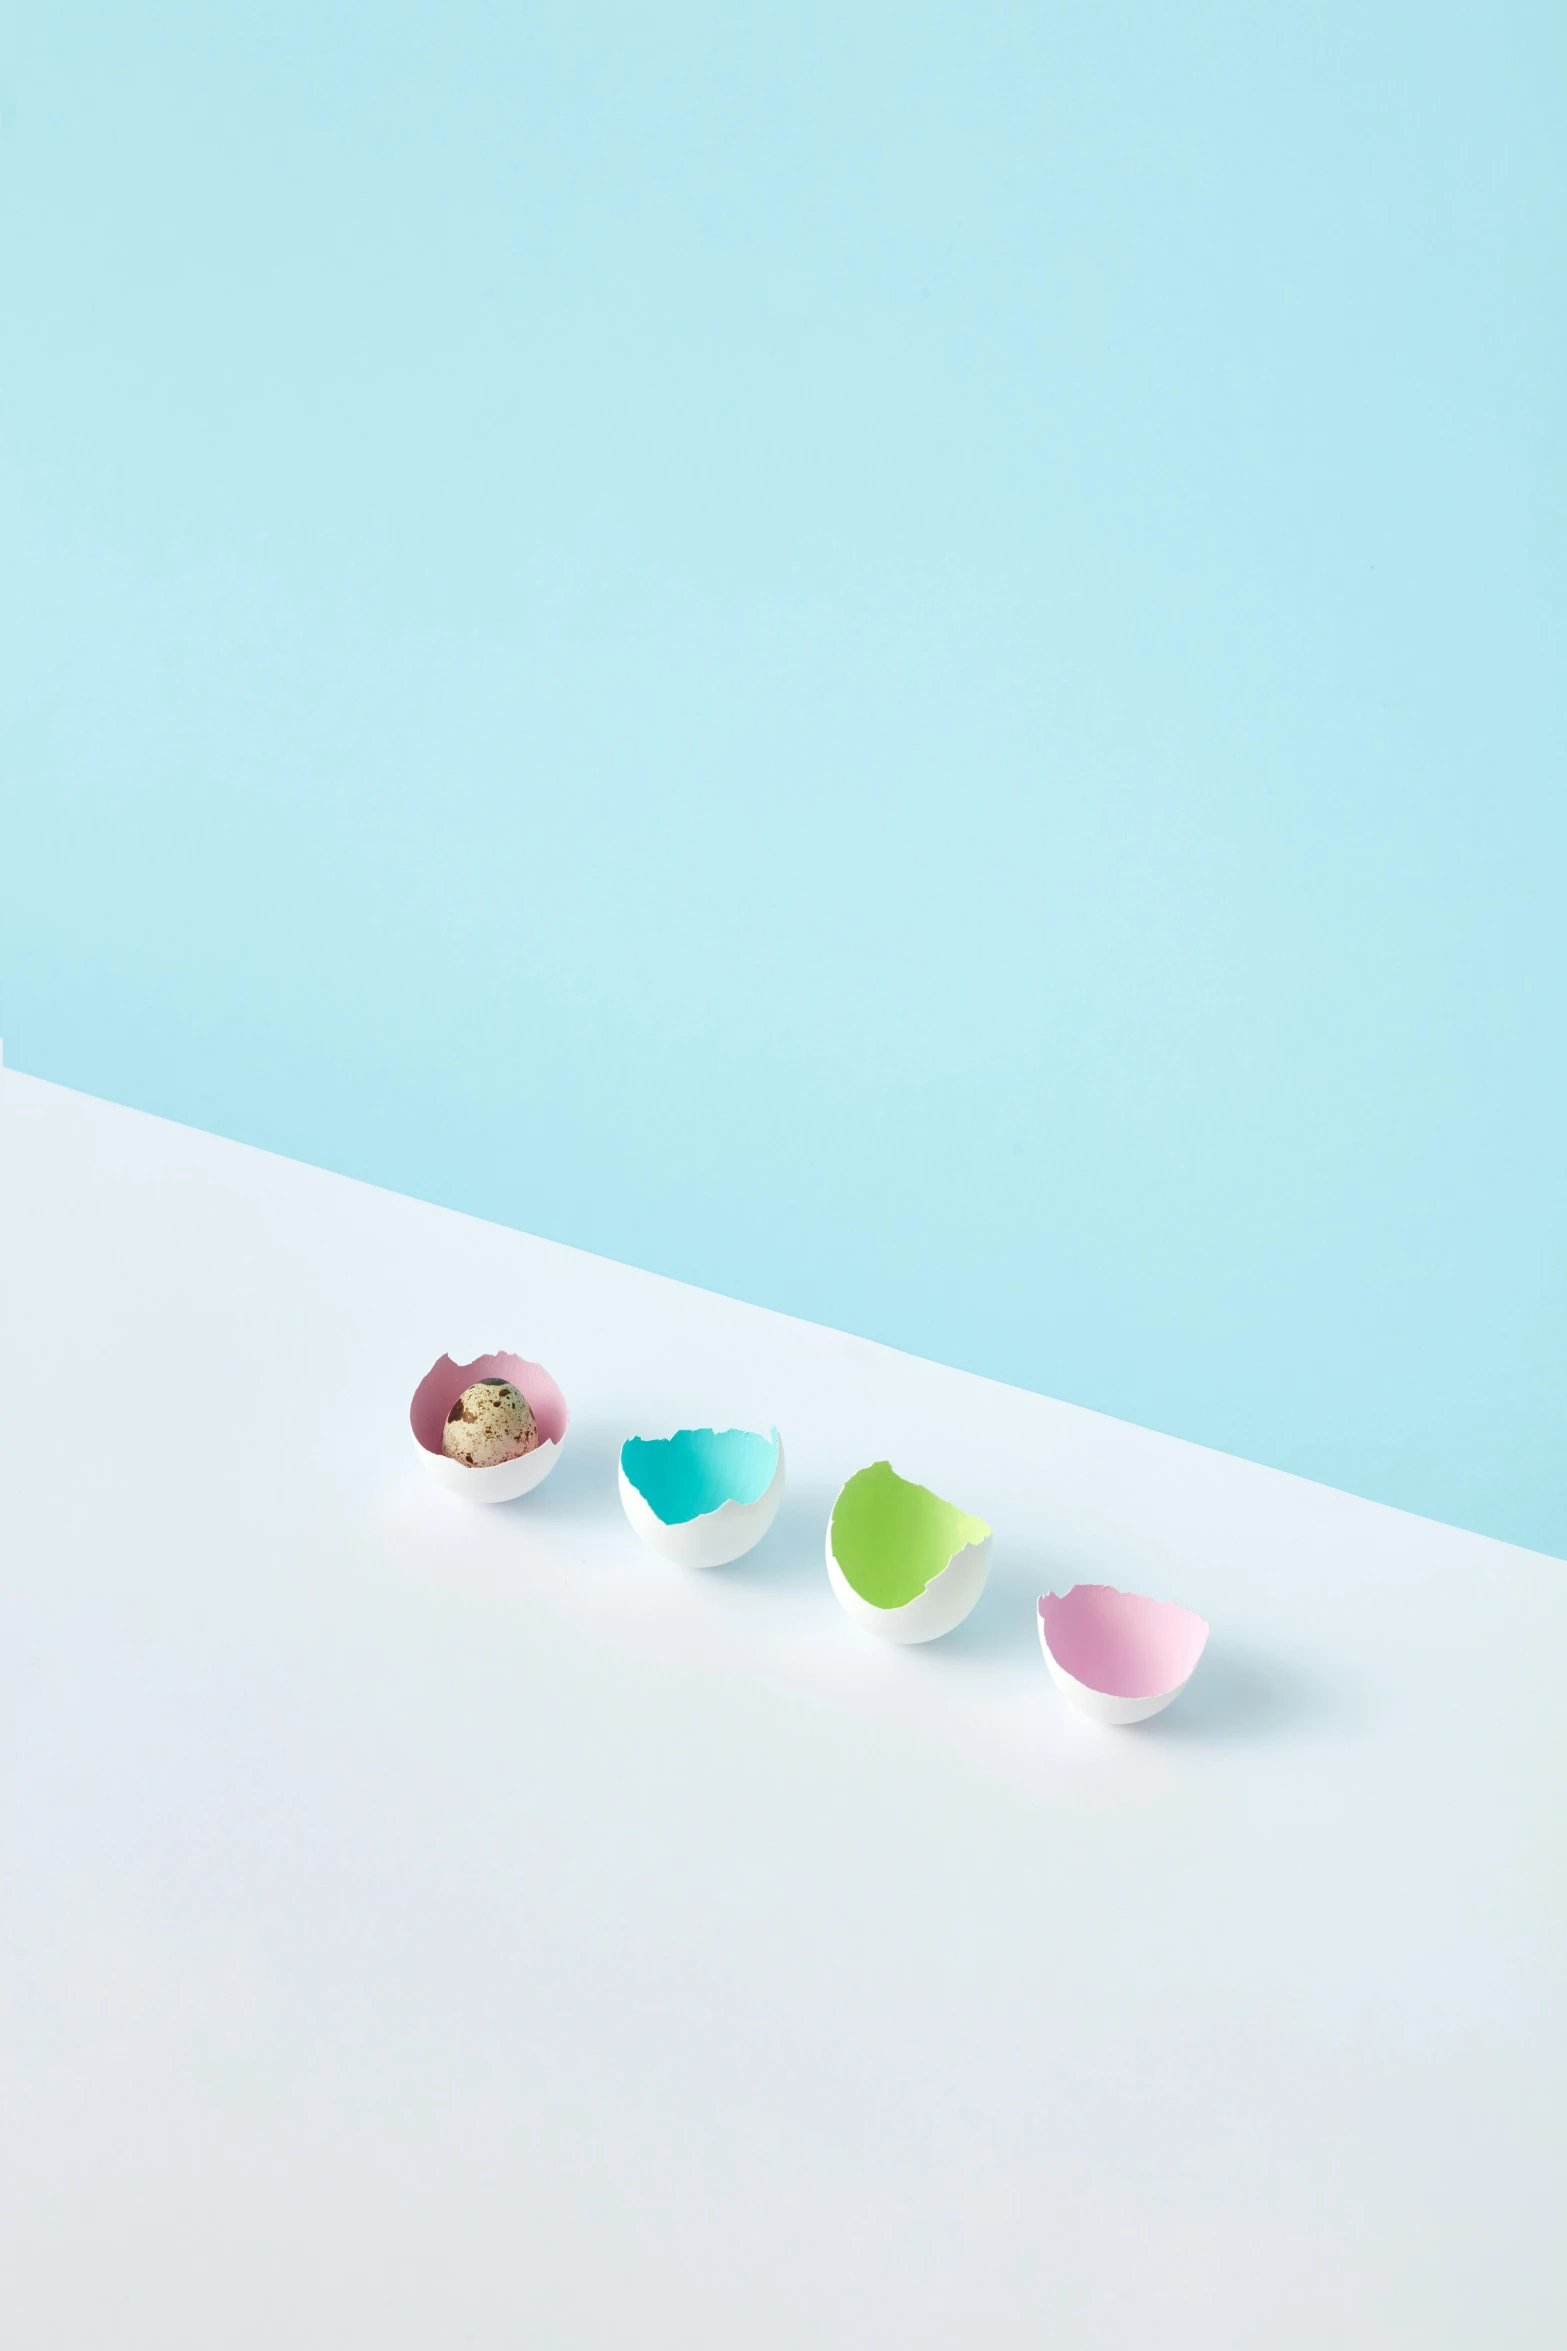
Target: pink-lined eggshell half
[
  {"x": 1118, "y": 1655},
  {"x": 439, "y": 1390}
]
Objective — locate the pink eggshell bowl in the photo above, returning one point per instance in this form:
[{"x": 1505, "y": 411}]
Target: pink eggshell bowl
[
  {"x": 501, "y": 1481},
  {"x": 1118, "y": 1656}
]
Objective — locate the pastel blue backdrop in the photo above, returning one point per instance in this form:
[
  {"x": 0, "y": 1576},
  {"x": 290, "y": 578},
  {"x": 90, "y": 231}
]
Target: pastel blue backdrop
[{"x": 904, "y": 660}]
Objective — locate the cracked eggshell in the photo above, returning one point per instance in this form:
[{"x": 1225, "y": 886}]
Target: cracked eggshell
[
  {"x": 904, "y": 1563},
  {"x": 1117, "y": 1656},
  {"x": 503, "y": 1481},
  {"x": 703, "y": 1496}
]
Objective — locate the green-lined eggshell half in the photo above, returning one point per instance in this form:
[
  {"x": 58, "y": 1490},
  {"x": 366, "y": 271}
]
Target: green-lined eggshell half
[{"x": 903, "y": 1562}]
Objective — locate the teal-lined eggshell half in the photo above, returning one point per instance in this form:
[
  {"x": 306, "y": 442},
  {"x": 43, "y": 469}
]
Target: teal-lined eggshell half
[{"x": 697, "y": 1470}]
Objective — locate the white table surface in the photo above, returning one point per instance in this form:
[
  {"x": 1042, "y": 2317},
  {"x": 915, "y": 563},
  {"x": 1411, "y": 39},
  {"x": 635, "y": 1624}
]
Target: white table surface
[{"x": 425, "y": 1926}]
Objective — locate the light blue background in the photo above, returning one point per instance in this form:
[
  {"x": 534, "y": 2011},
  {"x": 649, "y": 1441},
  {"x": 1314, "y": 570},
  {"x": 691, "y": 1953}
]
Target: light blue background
[{"x": 907, "y": 661}]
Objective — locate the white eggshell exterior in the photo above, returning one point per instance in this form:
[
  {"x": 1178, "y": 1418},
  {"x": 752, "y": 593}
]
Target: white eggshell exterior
[
  {"x": 715, "y": 1538},
  {"x": 502, "y": 1481},
  {"x": 946, "y": 1600},
  {"x": 1101, "y": 1704}
]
